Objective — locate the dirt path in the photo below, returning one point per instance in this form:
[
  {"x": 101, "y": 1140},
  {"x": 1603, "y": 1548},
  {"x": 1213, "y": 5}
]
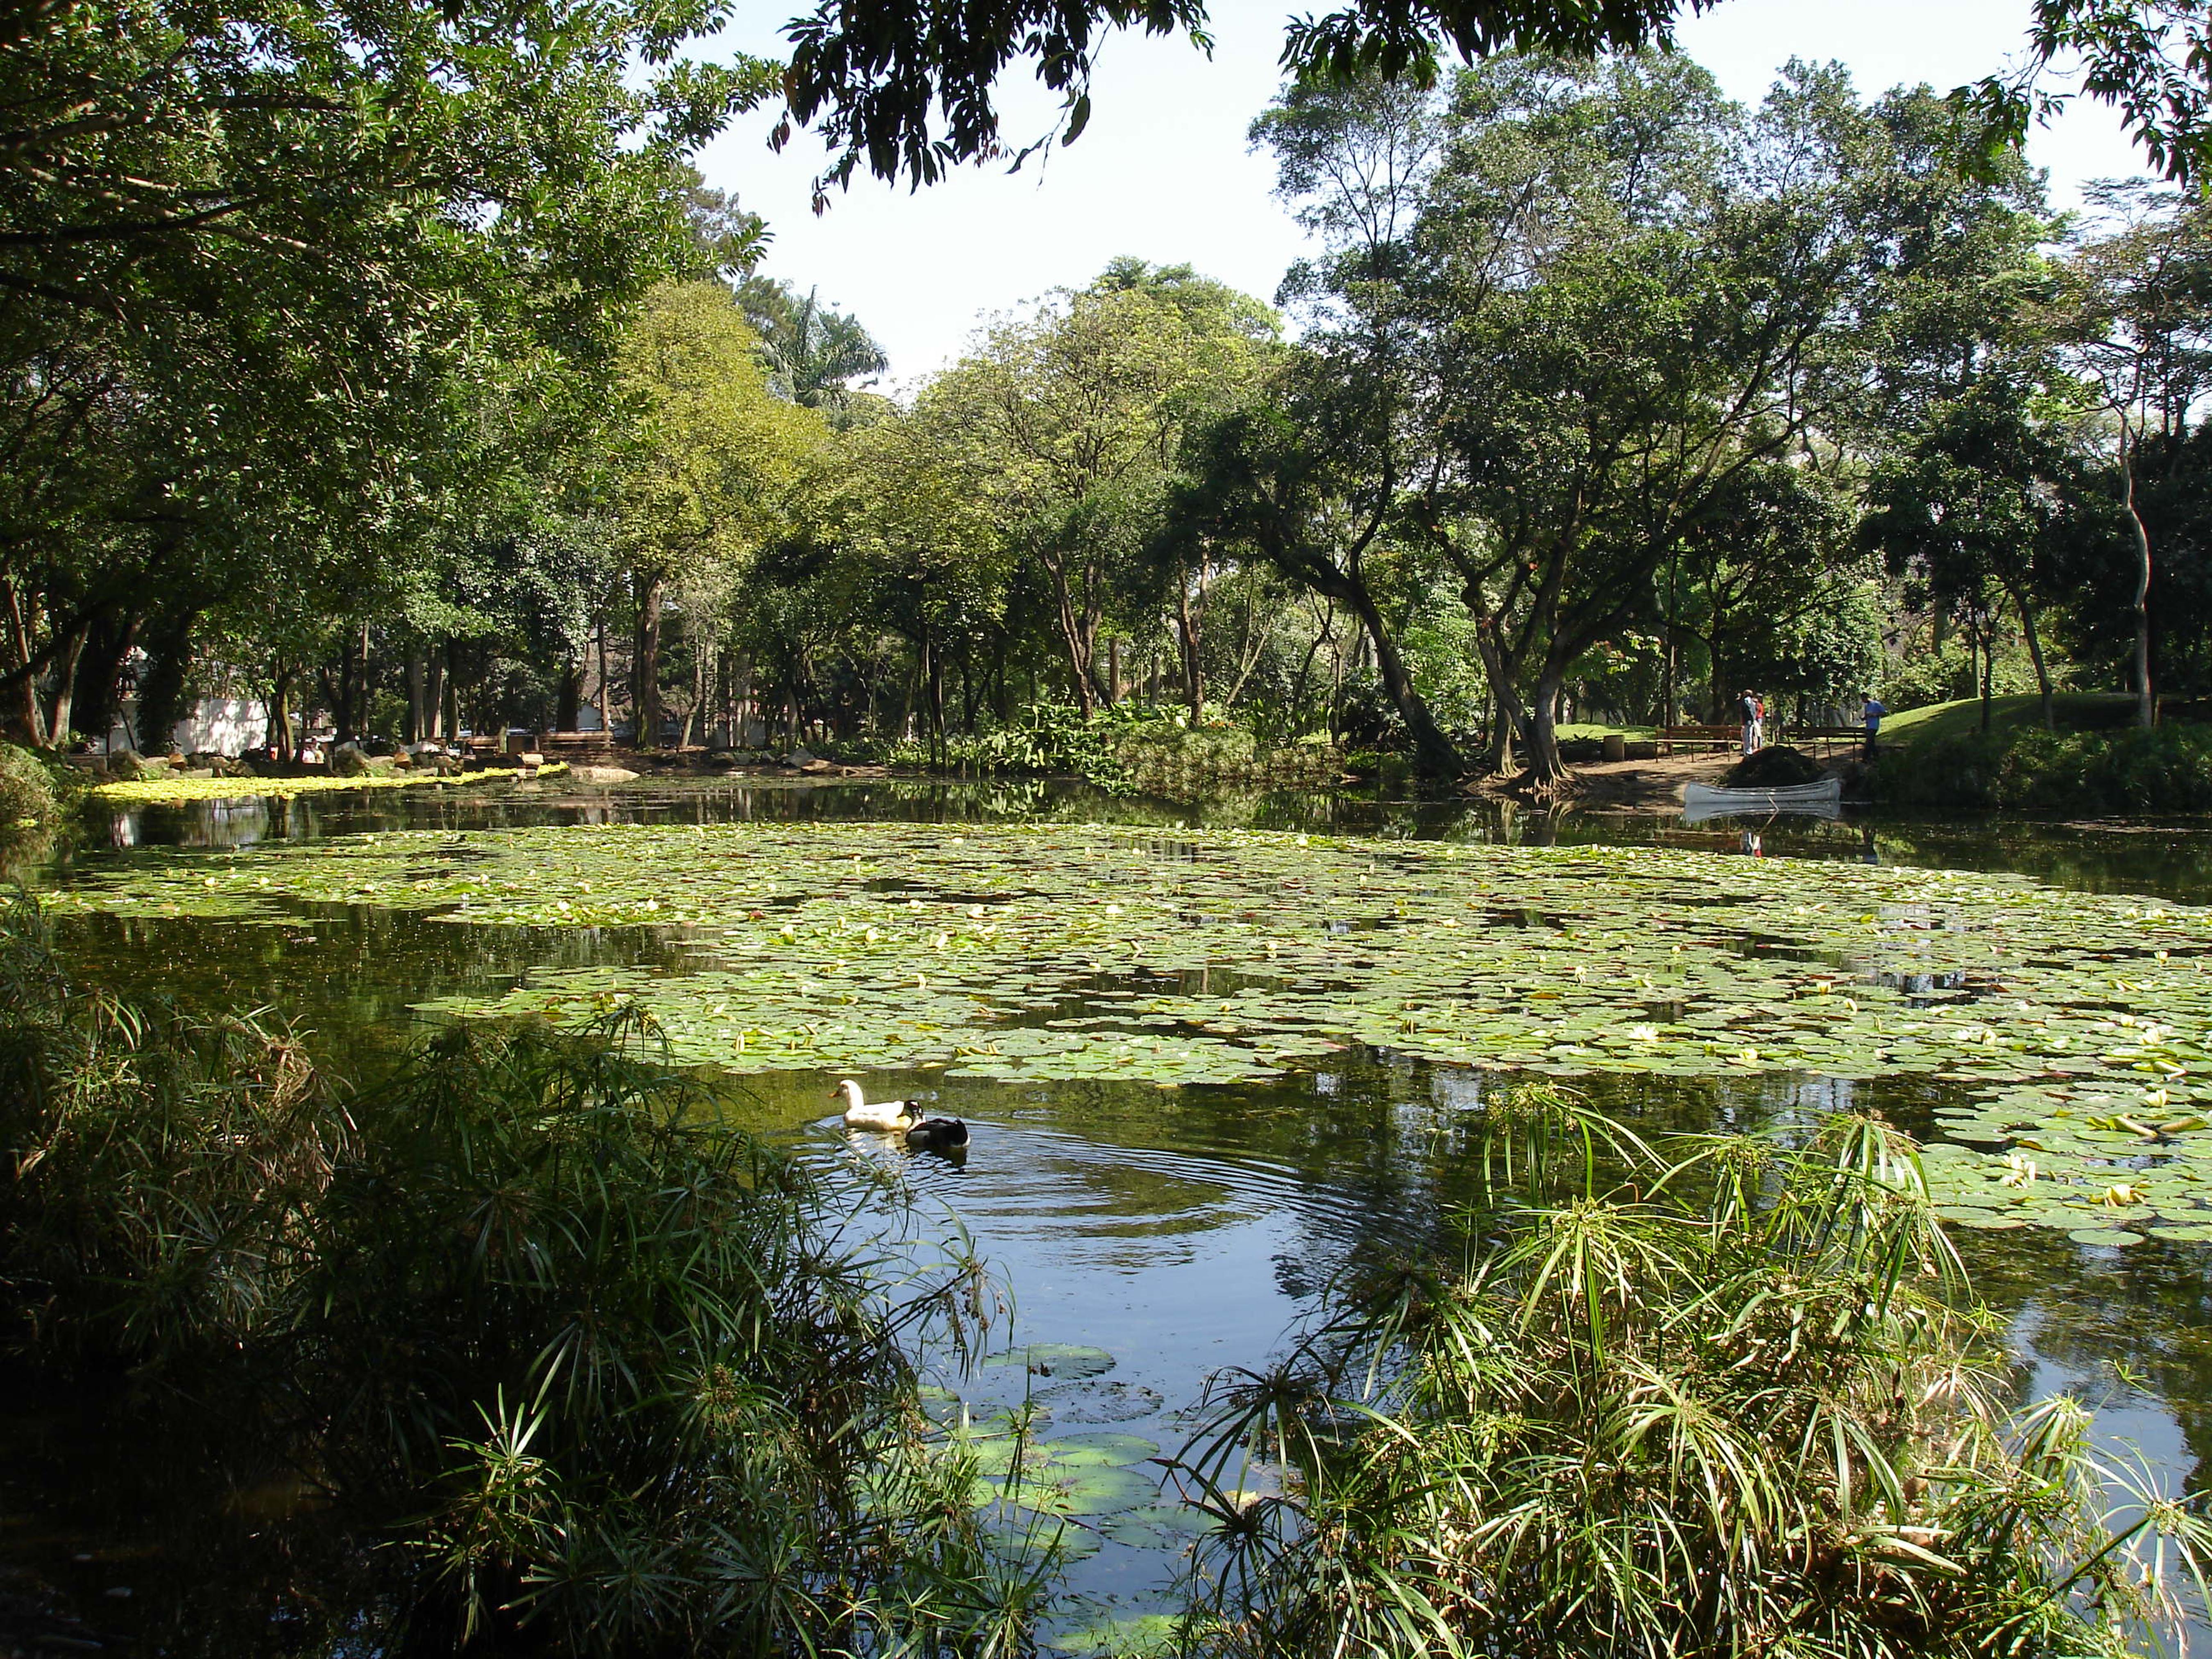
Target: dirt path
[{"x": 1636, "y": 786}]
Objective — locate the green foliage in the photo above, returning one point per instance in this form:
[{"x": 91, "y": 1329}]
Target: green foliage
[
  {"x": 31, "y": 788},
  {"x": 1728, "y": 1399},
  {"x": 298, "y": 290},
  {"x": 812, "y": 351},
  {"x": 598, "y": 1369},
  {"x": 2166, "y": 768}
]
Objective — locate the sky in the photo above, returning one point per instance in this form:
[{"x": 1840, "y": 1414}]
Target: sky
[{"x": 1163, "y": 171}]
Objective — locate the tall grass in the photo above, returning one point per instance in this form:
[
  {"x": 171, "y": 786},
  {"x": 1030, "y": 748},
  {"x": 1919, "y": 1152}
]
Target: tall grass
[
  {"x": 1731, "y": 1401},
  {"x": 598, "y": 1373}
]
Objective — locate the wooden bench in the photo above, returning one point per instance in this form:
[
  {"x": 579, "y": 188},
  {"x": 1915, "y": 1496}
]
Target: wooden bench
[
  {"x": 584, "y": 748},
  {"x": 1829, "y": 735},
  {"x": 1699, "y": 737}
]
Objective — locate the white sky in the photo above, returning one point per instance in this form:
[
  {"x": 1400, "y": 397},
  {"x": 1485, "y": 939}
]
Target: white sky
[{"x": 1163, "y": 171}]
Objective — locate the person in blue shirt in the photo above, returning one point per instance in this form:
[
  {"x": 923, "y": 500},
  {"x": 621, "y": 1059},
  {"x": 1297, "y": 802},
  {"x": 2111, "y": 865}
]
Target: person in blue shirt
[{"x": 1873, "y": 711}]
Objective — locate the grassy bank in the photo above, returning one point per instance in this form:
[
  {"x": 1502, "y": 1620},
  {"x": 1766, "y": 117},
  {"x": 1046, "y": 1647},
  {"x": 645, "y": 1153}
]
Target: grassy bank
[
  {"x": 2123, "y": 770},
  {"x": 2071, "y": 711}
]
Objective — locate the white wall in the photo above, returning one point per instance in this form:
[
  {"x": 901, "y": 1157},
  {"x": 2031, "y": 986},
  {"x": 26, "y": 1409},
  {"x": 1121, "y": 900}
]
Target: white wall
[{"x": 222, "y": 725}]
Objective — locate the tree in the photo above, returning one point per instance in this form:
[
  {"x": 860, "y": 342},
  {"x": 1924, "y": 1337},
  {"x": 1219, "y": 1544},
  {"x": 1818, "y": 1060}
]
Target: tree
[
  {"x": 1982, "y": 504},
  {"x": 706, "y": 460},
  {"x": 908, "y": 90},
  {"x": 301, "y": 282},
  {"x": 2138, "y": 326},
  {"x": 1079, "y": 409},
  {"x": 1293, "y": 477},
  {"x": 812, "y": 352}
]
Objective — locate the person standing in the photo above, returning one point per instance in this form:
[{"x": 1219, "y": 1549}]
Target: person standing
[
  {"x": 1872, "y": 712},
  {"x": 1751, "y": 711}
]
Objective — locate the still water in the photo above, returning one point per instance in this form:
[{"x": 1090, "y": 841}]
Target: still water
[{"x": 1180, "y": 1233}]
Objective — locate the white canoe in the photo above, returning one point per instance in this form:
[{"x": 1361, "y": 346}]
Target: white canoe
[{"x": 1824, "y": 800}]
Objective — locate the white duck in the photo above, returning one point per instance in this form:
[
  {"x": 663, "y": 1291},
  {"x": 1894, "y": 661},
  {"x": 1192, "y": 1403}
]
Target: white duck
[
  {"x": 900, "y": 1117},
  {"x": 861, "y": 1113}
]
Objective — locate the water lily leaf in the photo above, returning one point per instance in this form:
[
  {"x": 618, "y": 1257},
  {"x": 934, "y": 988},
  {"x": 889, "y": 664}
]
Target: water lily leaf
[{"x": 1066, "y": 1360}]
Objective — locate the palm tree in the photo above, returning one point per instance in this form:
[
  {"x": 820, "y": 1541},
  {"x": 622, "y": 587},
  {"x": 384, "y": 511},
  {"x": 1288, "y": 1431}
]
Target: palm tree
[{"x": 812, "y": 352}]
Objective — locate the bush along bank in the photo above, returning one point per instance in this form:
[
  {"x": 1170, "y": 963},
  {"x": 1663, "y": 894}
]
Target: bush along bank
[
  {"x": 2163, "y": 768},
  {"x": 1134, "y": 749},
  {"x": 32, "y": 789},
  {"x": 591, "y": 1372}
]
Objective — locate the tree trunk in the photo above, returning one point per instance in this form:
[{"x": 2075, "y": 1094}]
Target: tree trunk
[
  {"x": 343, "y": 703},
  {"x": 691, "y": 715},
  {"x": 65, "y": 662},
  {"x": 1433, "y": 754},
  {"x": 566, "y": 701},
  {"x": 1990, "y": 671},
  {"x": 606, "y": 702},
  {"x": 2146, "y": 706},
  {"x": 1544, "y": 764},
  {"x": 2032, "y": 635},
  {"x": 162, "y": 688},
  {"x": 937, "y": 750},
  {"x": 97, "y": 672},
  {"x": 645, "y": 663},
  {"x": 278, "y": 734},
  {"x": 1193, "y": 671},
  {"x": 436, "y": 675},
  {"x": 26, "y": 719},
  {"x": 1507, "y": 716},
  {"x": 418, "y": 724}
]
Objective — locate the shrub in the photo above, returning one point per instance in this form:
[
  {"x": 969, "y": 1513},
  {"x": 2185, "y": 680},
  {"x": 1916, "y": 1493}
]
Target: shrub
[
  {"x": 29, "y": 788},
  {"x": 602, "y": 1369},
  {"x": 1739, "y": 1403}
]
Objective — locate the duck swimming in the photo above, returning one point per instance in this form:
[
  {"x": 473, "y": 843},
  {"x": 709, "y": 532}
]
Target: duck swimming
[
  {"x": 861, "y": 1113},
  {"x": 937, "y": 1134},
  {"x": 900, "y": 1117}
]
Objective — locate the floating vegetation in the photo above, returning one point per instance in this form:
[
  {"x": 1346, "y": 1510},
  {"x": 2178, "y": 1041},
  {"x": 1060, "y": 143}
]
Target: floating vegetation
[
  {"x": 181, "y": 791},
  {"x": 2074, "y": 1026}
]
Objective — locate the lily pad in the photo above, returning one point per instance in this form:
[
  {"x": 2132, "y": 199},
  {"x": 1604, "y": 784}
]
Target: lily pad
[
  {"x": 1066, "y": 1360},
  {"x": 2073, "y": 1026}
]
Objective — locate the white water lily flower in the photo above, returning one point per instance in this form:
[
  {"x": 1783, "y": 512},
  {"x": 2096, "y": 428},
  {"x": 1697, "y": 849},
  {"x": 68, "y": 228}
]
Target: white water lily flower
[
  {"x": 1644, "y": 1033},
  {"x": 2019, "y": 1171}
]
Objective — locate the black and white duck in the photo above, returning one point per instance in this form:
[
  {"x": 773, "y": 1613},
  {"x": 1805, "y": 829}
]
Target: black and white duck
[{"x": 900, "y": 1117}]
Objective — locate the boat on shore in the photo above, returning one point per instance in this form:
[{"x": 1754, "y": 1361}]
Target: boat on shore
[{"x": 1823, "y": 799}]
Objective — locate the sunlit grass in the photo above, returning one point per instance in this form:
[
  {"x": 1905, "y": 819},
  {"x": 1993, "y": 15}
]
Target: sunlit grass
[{"x": 177, "y": 792}]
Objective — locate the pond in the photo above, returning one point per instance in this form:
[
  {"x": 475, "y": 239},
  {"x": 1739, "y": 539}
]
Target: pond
[{"x": 1211, "y": 1056}]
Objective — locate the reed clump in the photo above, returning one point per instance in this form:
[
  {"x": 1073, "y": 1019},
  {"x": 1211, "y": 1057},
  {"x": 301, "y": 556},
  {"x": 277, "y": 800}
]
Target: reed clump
[
  {"x": 594, "y": 1372},
  {"x": 1731, "y": 1401}
]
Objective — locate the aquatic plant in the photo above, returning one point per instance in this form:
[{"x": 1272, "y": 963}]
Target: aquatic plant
[
  {"x": 606, "y": 1375},
  {"x": 1731, "y": 1401},
  {"x": 1042, "y": 951}
]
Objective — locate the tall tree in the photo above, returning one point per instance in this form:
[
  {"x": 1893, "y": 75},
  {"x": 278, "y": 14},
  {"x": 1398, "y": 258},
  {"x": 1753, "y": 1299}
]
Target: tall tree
[
  {"x": 1985, "y": 502},
  {"x": 813, "y": 352},
  {"x": 2138, "y": 326},
  {"x": 1082, "y": 406},
  {"x": 706, "y": 465}
]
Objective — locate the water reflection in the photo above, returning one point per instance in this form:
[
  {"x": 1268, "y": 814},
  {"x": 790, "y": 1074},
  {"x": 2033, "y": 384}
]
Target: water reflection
[{"x": 2170, "y": 858}]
